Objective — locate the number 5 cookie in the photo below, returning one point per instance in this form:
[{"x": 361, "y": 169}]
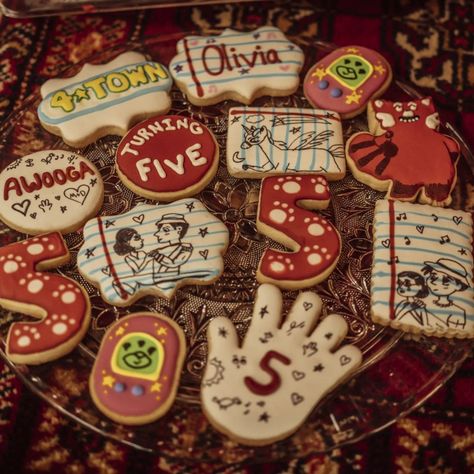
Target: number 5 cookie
[{"x": 137, "y": 369}]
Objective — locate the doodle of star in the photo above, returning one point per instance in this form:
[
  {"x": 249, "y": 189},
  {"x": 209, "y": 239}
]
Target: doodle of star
[
  {"x": 156, "y": 387},
  {"x": 244, "y": 70},
  {"x": 264, "y": 417},
  {"x": 277, "y": 121},
  {"x": 318, "y": 368},
  {"x": 235, "y": 119},
  {"x": 108, "y": 381},
  {"x": 37, "y": 196},
  {"x": 353, "y": 98},
  {"x": 190, "y": 206},
  {"x": 162, "y": 332},
  {"x": 80, "y": 94},
  {"x": 462, "y": 252},
  {"x": 109, "y": 223},
  {"x": 295, "y": 129},
  {"x": 48, "y": 159},
  {"x": 352, "y": 50},
  {"x": 90, "y": 252},
  {"x": 263, "y": 311},
  {"x": 178, "y": 68},
  {"x": 223, "y": 332},
  {"x": 120, "y": 331},
  {"x": 203, "y": 231},
  {"x": 330, "y": 116},
  {"x": 380, "y": 69},
  {"x": 93, "y": 182},
  {"x": 320, "y": 72},
  {"x": 63, "y": 209}
]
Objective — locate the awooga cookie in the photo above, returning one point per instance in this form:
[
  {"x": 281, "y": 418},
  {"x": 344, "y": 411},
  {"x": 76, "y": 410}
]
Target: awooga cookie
[
  {"x": 60, "y": 303},
  {"x": 152, "y": 249},
  {"x": 137, "y": 369},
  {"x": 283, "y": 215},
  {"x": 104, "y": 99},
  {"x": 404, "y": 154},
  {"x": 346, "y": 79},
  {"x": 238, "y": 66},
  {"x": 261, "y": 390},
  {"x": 167, "y": 157},
  {"x": 266, "y": 141},
  {"x": 422, "y": 275},
  {"x": 50, "y": 190}
]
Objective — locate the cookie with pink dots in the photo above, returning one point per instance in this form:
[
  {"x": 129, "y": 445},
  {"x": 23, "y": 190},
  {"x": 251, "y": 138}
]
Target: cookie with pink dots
[
  {"x": 60, "y": 303},
  {"x": 284, "y": 215}
]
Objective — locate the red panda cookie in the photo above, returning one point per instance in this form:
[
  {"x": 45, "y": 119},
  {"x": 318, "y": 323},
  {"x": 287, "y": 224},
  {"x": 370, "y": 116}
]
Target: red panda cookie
[
  {"x": 137, "y": 369},
  {"x": 404, "y": 154}
]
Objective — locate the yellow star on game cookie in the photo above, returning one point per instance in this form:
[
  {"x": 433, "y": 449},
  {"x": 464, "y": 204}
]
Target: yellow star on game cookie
[
  {"x": 156, "y": 387},
  {"x": 352, "y": 50},
  {"x": 380, "y": 69},
  {"x": 108, "y": 381},
  {"x": 319, "y": 73},
  {"x": 161, "y": 332},
  {"x": 353, "y": 98},
  {"x": 120, "y": 331}
]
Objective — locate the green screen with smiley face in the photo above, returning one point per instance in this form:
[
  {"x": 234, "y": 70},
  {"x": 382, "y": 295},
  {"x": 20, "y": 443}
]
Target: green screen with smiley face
[
  {"x": 351, "y": 70},
  {"x": 139, "y": 354}
]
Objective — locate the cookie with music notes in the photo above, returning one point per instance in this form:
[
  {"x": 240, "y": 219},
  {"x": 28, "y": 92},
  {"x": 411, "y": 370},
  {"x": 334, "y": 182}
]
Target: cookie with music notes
[
  {"x": 422, "y": 275},
  {"x": 238, "y": 66}
]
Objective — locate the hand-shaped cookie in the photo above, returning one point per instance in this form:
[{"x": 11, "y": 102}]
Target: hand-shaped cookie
[{"x": 263, "y": 390}]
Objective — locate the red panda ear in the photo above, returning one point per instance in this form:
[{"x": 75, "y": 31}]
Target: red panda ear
[
  {"x": 378, "y": 103},
  {"x": 426, "y": 101}
]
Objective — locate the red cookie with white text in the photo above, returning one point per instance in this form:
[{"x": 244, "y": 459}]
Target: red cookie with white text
[
  {"x": 404, "y": 153},
  {"x": 60, "y": 303},
  {"x": 167, "y": 157},
  {"x": 346, "y": 79},
  {"x": 136, "y": 373},
  {"x": 284, "y": 215}
]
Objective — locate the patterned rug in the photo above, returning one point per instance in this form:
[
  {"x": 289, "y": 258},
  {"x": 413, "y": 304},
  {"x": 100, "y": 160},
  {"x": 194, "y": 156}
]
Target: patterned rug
[{"x": 430, "y": 44}]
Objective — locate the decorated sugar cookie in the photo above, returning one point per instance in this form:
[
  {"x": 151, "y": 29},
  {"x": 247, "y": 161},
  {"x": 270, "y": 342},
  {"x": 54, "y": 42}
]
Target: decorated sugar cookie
[
  {"x": 283, "y": 215},
  {"x": 346, "y": 79},
  {"x": 152, "y": 249},
  {"x": 238, "y": 66},
  {"x": 137, "y": 369},
  {"x": 260, "y": 391},
  {"x": 422, "y": 277},
  {"x": 104, "y": 99},
  {"x": 167, "y": 157},
  {"x": 60, "y": 303},
  {"x": 50, "y": 190},
  {"x": 266, "y": 141},
  {"x": 404, "y": 153}
]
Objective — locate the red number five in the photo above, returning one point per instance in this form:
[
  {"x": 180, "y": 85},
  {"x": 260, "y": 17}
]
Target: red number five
[
  {"x": 315, "y": 242},
  {"x": 61, "y": 303}
]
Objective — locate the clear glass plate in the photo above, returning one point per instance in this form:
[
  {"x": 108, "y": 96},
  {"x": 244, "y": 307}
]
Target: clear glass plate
[{"x": 397, "y": 375}]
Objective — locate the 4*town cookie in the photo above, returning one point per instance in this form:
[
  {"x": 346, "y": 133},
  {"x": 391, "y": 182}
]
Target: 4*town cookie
[
  {"x": 238, "y": 66},
  {"x": 104, "y": 99}
]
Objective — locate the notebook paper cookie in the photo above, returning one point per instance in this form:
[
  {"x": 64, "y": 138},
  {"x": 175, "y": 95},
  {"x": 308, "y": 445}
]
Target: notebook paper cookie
[
  {"x": 104, "y": 99},
  {"x": 137, "y": 369},
  {"x": 238, "y": 66},
  {"x": 50, "y": 190},
  {"x": 266, "y": 141},
  {"x": 422, "y": 276},
  {"x": 152, "y": 249}
]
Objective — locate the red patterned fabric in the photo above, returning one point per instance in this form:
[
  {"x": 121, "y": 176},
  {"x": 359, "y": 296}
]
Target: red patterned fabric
[{"x": 430, "y": 44}]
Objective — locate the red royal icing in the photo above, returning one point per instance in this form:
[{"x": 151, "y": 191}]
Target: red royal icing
[
  {"x": 275, "y": 380},
  {"x": 316, "y": 241},
  {"x": 156, "y": 393},
  {"x": 63, "y": 300},
  {"x": 167, "y": 154},
  {"x": 410, "y": 154}
]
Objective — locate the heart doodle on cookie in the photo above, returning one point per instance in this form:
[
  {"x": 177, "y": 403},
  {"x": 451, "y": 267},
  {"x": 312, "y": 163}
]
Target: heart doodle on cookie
[
  {"x": 106, "y": 271},
  {"x": 420, "y": 228},
  {"x": 344, "y": 360},
  {"x": 457, "y": 219},
  {"x": 138, "y": 219},
  {"x": 297, "y": 375},
  {"x": 296, "y": 398},
  {"x": 307, "y": 305},
  {"x": 22, "y": 207},
  {"x": 78, "y": 194},
  {"x": 386, "y": 243},
  {"x": 33, "y": 215},
  {"x": 204, "y": 253}
]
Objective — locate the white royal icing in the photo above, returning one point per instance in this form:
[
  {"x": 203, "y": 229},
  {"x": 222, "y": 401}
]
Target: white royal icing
[
  {"x": 212, "y": 66},
  {"x": 142, "y": 251},
  {"x": 269, "y": 141},
  {"x": 263, "y": 389},
  {"x": 50, "y": 190},
  {"x": 422, "y": 272},
  {"x": 110, "y": 95}
]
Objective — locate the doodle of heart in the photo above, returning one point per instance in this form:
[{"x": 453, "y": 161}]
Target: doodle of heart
[
  {"x": 457, "y": 219},
  {"x": 307, "y": 305},
  {"x": 386, "y": 243},
  {"x": 139, "y": 219},
  {"x": 106, "y": 271},
  {"x": 204, "y": 253},
  {"x": 33, "y": 215},
  {"x": 296, "y": 398},
  {"x": 420, "y": 228},
  {"x": 285, "y": 67},
  {"x": 22, "y": 207},
  {"x": 58, "y": 198},
  {"x": 78, "y": 194},
  {"x": 297, "y": 375},
  {"x": 344, "y": 360}
]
